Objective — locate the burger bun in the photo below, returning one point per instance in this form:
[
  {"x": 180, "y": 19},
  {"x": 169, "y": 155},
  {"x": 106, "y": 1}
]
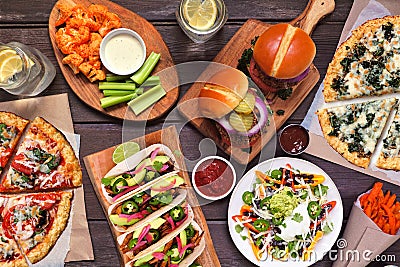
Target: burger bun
[
  {"x": 222, "y": 93},
  {"x": 284, "y": 51}
]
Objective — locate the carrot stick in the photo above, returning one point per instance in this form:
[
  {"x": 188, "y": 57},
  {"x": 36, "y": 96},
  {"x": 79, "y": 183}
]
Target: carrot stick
[
  {"x": 392, "y": 220},
  {"x": 397, "y": 226},
  {"x": 368, "y": 210},
  {"x": 386, "y": 228},
  {"x": 385, "y": 200},
  {"x": 391, "y": 200},
  {"x": 375, "y": 191}
]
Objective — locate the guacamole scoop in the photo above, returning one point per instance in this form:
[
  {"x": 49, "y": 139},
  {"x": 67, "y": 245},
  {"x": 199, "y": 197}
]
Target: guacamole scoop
[{"x": 283, "y": 203}]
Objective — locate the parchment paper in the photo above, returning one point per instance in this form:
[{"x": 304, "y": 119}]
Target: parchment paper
[
  {"x": 361, "y": 11},
  {"x": 76, "y": 237}
]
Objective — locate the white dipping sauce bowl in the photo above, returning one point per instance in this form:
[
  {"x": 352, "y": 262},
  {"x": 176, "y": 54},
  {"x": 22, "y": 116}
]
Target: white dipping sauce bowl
[{"x": 106, "y": 61}]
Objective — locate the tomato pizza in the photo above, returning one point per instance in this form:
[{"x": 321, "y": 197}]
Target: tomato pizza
[
  {"x": 44, "y": 160},
  {"x": 34, "y": 221},
  {"x": 11, "y": 129}
]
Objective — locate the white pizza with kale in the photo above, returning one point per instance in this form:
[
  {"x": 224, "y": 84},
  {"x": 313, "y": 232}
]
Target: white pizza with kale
[
  {"x": 353, "y": 130},
  {"x": 389, "y": 157},
  {"x": 368, "y": 63}
]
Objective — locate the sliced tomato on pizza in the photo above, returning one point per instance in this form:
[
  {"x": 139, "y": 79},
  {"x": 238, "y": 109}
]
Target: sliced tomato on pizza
[
  {"x": 11, "y": 128},
  {"x": 44, "y": 160},
  {"x": 10, "y": 254},
  {"x": 35, "y": 221}
]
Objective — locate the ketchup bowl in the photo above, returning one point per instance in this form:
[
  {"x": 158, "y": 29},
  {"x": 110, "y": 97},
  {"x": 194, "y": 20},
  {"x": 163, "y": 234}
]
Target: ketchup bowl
[{"x": 213, "y": 177}]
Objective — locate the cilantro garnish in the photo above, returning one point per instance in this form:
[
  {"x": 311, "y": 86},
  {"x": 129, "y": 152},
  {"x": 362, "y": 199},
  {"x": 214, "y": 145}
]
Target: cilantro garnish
[{"x": 297, "y": 217}]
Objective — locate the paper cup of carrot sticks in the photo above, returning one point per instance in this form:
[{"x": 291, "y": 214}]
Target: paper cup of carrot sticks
[{"x": 373, "y": 226}]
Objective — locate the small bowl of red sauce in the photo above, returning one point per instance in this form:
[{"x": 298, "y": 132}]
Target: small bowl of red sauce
[
  {"x": 213, "y": 177},
  {"x": 294, "y": 139}
]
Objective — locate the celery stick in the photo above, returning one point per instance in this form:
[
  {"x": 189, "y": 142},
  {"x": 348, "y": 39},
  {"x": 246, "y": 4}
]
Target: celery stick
[
  {"x": 114, "y": 100},
  {"x": 141, "y": 75},
  {"x": 117, "y": 92},
  {"x": 116, "y": 86},
  {"x": 139, "y": 91},
  {"x": 152, "y": 81},
  {"x": 116, "y": 78},
  {"x": 148, "y": 98}
]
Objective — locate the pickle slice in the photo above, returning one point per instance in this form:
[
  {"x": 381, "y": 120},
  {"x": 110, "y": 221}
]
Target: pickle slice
[
  {"x": 241, "y": 122},
  {"x": 246, "y": 106}
]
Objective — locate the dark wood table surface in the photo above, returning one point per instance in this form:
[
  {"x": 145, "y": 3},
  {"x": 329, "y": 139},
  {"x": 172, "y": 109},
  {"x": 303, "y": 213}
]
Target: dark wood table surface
[{"x": 27, "y": 22}]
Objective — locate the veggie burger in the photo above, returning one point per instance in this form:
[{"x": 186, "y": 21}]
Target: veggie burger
[
  {"x": 240, "y": 112},
  {"x": 282, "y": 56}
]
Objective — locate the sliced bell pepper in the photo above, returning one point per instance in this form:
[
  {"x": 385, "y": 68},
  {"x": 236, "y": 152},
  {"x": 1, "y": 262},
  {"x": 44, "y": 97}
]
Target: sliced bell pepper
[
  {"x": 317, "y": 237},
  {"x": 255, "y": 249}
]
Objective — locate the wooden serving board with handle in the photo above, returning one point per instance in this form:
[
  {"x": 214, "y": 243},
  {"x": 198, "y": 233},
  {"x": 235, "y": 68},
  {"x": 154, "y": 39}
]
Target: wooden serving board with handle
[
  {"x": 90, "y": 94},
  {"x": 230, "y": 54},
  {"x": 98, "y": 164}
]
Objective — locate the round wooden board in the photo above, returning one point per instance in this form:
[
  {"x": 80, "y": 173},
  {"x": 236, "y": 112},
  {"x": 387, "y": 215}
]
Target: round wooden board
[{"x": 89, "y": 93}]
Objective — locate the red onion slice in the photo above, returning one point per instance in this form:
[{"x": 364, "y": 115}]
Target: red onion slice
[
  {"x": 144, "y": 232},
  {"x": 154, "y": 153},
  {"x": 159, "y": 256},
  {"x": 171, "y": 222},
  {"x": 124, "y": 192},
  {"x": 141, "y": 167},
  {"x": 297, "y": 78},
  {"x": 138, "y": 245}
]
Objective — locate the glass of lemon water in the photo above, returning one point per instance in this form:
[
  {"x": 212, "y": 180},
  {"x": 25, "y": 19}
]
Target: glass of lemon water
[
  {"x": 201, "y": 19},
  {"x": 24, "y": 70}
]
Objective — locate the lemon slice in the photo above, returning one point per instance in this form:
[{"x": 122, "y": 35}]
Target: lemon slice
[
  {"x": 200, "y": 14},
  {"x": 124, "y": 151},
  {"x": 6, "y": 53},
  {"x": 9, "y": 66}
]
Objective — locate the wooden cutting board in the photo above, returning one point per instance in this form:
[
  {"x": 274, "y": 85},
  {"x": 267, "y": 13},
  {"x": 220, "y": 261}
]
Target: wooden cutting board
[
  {"x": 90, "y": 94},
  {"x": 230, "y": 54},
  {"x": 98, "y": 164}
]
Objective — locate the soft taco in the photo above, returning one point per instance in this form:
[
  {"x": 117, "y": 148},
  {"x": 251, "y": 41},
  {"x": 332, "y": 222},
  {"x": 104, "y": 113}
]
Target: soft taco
[
  {"x": 143, "y": 168},
  {"x": 142, "y": 207},
  {"x": 157, "y": 232},
  {"x": 181, "y": 250}
]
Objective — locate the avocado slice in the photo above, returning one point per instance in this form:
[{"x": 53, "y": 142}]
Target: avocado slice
[
  {"x": 147, "y": 258},
  {"x": 137, "y": 179},
  {"x": 115, "y": 219},
  {"x": 162, "y": 159},
  {"x": 166, "y": 182},
  {"x": 183, "y": 237},
  {"x": 155, "y": 224},
  {"x": 148, "y": 162}
]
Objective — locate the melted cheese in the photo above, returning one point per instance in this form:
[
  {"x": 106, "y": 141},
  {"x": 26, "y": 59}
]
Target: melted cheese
[
  {"x": 391, "y": 144},
  {"x": 363, "y": 79},
  {"x": 359, "y": 113}
]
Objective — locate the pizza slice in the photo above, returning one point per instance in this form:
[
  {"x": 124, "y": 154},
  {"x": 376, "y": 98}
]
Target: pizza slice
[
  {"x": 389, "y": 157},
  {"x": 36, "y": 221},
  {"x": 10, "y": 254},
  {"x": 11, "y": 128},
  {"x": 353, "y": 130},
  {"x": 44, "y": 160},
  {"x": 367, "y": 63}
]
